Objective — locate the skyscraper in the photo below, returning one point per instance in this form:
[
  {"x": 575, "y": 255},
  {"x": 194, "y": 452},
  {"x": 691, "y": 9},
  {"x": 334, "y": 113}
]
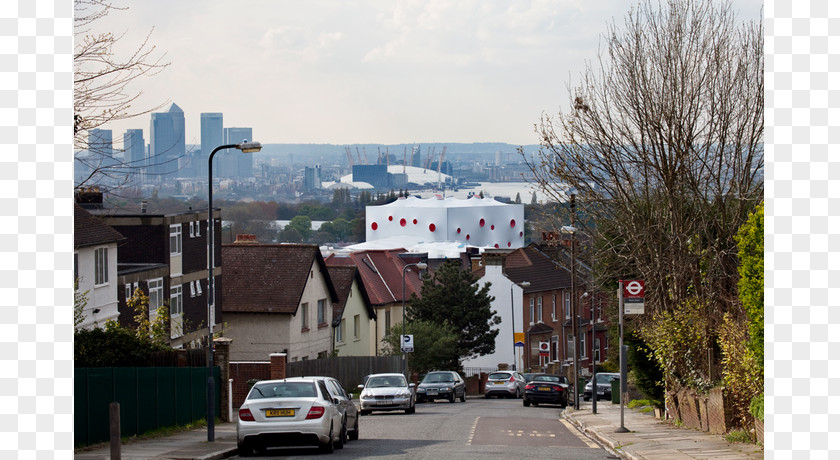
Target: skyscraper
[
  {"x": 212, "y": 136},
  {"x": 100, "y": 145},
  {"x": 167, "y": 143},
  {"x": 234, "y": 162},
  {"x": 135, "y": 148}
]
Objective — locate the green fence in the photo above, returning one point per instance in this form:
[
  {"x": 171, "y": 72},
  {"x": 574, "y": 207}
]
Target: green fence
[{"x": 149, "y": 397}]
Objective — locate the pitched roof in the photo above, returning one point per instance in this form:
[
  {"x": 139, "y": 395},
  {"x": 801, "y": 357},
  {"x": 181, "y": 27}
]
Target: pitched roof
[
  {"x": 342, "y": 277},
  {"x": 90, "y": 230},
  {"x": 382, "y": 274},
  {"x": 532, "y": 265},
  {"x": 268, "y": 278}
]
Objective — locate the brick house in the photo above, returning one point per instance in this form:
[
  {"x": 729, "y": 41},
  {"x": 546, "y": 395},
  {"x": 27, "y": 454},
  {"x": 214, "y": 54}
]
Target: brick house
[
  {"x": 165, "y": 254},
  {"x": 381, "y": 272},
  {"x": 278, "y": 298},
  {"x": 354, "y": 319}
]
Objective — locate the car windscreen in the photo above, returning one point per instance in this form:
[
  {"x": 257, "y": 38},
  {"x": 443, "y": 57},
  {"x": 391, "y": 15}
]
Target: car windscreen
[
  {"x": 498, "y": 376},
  {"x": 606, "y": 378},
  {"x": 383, "y": 382},
  {"x": 283, "y": 390},
  {"x": 438, "y": 378},
  {"x": 547, "y": 378}
]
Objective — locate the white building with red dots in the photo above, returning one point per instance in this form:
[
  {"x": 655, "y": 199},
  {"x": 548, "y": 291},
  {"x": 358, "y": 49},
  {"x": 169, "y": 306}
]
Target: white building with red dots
[{"x": 477, "y": 222}]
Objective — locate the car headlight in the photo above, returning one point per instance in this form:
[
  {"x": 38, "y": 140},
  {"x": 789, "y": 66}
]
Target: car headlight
[
  {"x": 365, "y": 396},
  {"x": 421, "y": 390}
]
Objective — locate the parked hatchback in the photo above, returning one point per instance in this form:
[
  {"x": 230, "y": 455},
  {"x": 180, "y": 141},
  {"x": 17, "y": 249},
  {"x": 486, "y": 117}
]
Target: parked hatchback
[
  {"x": 446, "y": 385},
  {"x": 295, "y": 412},
  {"x": 509, "y": 384},
  {"x": 546, "y": 389},
  {"x": 386, "y": 392}
]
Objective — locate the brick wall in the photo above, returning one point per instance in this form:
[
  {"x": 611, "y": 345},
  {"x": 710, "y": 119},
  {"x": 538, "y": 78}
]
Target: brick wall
[
  {"x": 241, "y": 372},
  {"x": 705, "y": 412}
]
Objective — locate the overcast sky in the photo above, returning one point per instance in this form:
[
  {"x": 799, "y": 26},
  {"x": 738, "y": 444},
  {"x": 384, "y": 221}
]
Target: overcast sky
[{"x": 345, "y": 72}]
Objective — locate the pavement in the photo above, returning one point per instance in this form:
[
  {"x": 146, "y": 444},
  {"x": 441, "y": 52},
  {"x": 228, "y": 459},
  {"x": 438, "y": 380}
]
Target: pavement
[{"x": 647, "y": 438}]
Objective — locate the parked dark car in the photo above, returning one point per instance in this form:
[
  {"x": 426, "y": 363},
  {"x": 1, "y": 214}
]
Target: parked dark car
[
  {"x": 446, "y": 385},
  {"x": 546, "y": 389},
  {"x": 604, "y": 390},
  {"x": 529, "y": 376}
]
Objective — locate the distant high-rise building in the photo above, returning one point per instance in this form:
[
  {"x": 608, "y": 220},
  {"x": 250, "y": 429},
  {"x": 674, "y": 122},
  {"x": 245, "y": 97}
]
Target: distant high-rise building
[
  {"x": 135, "y": 148},
  {"x": 312, "y": 177},
  {"x": 212, "y": 136},
  {"x": 100, "y": 145},
  {"x": 167, "y": 143},
  {"x": 234, "y": 162}
]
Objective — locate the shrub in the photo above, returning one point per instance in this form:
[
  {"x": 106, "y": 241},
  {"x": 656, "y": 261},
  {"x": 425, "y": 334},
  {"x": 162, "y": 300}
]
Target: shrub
[
  {"x": 757, "y": 407},
  {"x": 112, "y": 347}
]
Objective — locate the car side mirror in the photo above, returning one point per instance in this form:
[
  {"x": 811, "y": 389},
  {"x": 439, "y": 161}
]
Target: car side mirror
[
  {"x": 361, "y": 387},
  {"x": 336, "y": 401},
  {"x": 411, "y": 385},
  {"x": 349, "y": 395}
]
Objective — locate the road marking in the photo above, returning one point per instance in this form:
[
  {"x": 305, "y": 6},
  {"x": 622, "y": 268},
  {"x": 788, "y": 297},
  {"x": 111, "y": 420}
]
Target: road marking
[
  {"x": 472, "y": 432},
  {"x": 589, "y": 443}
]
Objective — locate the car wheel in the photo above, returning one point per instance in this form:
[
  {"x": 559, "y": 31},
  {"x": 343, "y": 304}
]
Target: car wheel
[
  {"x": 452, "y": 397},
  {"x": 329, "y": 446},
  {"x": 464, "y": 396},
  {"x": 536, "y": 404},
  {"x": 420, "y": 400},
  {"x": 586, "y": 399},
  {"x": 354, "y": 435},
  {"x": 364, "y": 412},
  {"x": 486, "y": 396},
  {"x": 526, "y": 403},
  {"x": 244, "y": 449},
  {"x": 342, "y": 436}
]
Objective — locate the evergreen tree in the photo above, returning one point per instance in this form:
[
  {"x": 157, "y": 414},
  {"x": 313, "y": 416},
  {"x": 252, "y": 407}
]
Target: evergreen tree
[{"x": 452, "y": 297}]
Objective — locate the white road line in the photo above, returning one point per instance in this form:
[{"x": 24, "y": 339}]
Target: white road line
[{"x": 472, "y": 432}]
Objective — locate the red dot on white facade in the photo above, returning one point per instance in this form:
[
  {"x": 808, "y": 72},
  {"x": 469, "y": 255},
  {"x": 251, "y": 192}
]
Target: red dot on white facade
[
  {"x": 458, "y": 230},
  {"x": 414, "y": 221},
  {"x": 468, "y": 237},
  {"x": 512, "y": 223},
  {"x": 496, "y": 245},
  {"x": 481, "y": 223},
  {"x": 374, "y": 226},
  {"x": 508, "y": 243},
  {"x": 431, "y": 227},
  {"x": 402, "y": 222},
  {"x": 492, "y": 227},
  {"x": 390, "y": 218}
]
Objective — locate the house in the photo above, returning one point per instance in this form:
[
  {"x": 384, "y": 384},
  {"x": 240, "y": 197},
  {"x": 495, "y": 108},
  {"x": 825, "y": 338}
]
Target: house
[
  {"x": 95, "y": 246},
  {"x": 536, "y": 291},
  {"x": 277, "y": 298},
  {"x": 164, "y": 254},
  {"x": 354, "y": 319},
  {"x": 382, "y": 273}
]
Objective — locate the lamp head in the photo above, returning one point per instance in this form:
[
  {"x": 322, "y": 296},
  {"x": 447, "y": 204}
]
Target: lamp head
[
  {"x": 249, "y": 147},
  {"x": 524, "y": 284},
  {"x": 422, "y": 265}
]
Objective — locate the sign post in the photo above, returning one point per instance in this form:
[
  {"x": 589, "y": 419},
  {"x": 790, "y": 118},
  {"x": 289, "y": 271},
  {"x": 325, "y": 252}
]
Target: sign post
[
  {"x": 631, "y": 301},
  {"x": 407, "y": 343}
]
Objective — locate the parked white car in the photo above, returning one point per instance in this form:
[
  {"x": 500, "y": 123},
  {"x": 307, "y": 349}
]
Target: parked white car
[
  {"x": 508, "y": 384},
  {"x": 295, "y": 412},
  {"x": 387, "y": 392}
]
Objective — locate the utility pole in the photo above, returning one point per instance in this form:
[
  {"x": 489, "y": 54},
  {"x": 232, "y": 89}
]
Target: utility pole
[{"x": 575, "y": 325}]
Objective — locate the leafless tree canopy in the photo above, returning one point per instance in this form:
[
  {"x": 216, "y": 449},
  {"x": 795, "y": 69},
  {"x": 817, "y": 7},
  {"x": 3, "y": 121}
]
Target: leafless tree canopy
[
  {"x": 101, "y": 91},
  {"x": 663, "y": 146}
]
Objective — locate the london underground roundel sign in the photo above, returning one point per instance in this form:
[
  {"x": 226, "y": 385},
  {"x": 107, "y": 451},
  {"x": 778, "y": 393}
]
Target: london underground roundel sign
[{"x": 634, "y": 297}]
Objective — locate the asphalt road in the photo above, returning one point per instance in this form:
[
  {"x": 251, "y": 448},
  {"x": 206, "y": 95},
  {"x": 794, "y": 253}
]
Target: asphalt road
[{"x": 476, "y": 429}]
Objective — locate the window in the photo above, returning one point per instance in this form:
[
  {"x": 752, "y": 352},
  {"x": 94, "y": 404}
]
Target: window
[
  {"x": 387, "y": 320},
  {"x": 539, "y": 309},
  {"x": 568, "y": 305},
  {"x": 554, "y": 307},
  {"x": 101, "y": 266},
  {"x": 582, "y": 352},
  {"x": 192, "y": 229},
  {"x": 555, "y": 342},
  {"x": 339, "y": 332},
  {"x": 532, "y": 310},
  {"x": 570, "y": 347},
  {"x": 128, "y": 291},
  {"x": 322, "y": 311},
  {"x": 198, "y": 228},
  {"x": 155, "y": 295},
  {"x": 175, "y": 239},
  {"x": 176, "y": 301},
  {"x": 192, "y": 289},
  {"x": 198, "y": 287},
  {"x": 304, "y": 316},
  {"x": 356, "y": 323},
  {"x": 597, "y": 350}
]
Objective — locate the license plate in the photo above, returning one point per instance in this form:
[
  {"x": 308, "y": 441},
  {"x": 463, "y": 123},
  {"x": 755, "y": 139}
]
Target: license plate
[
  {"x": 498, "y": 383},
  {"x": 280, "y": 413},
  {"x": 544, "y": 388},
  {"x": 385, "y": 401},
  {"x": 431, "y": 392}
]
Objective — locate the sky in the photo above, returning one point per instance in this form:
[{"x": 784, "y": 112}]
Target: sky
[{"x": 355, "y": 71}]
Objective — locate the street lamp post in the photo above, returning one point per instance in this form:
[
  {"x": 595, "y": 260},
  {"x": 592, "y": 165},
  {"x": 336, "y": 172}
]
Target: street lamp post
[
  {"x": 523, "y": 285},
  {"x": 245, "y": 147},
  {"x": 421, "y": 266}
]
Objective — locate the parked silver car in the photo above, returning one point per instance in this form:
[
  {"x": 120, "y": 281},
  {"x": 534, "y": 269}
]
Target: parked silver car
[
  {"x": 386, "y": 392},
  {"x": 509, "y": 384},
  {"x": 294, "y": 412}
]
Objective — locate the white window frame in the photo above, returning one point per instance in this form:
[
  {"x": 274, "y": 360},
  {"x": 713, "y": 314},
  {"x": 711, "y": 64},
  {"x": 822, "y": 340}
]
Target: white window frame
[
  {"x": 582, "y": 354},
  {"x": 539, "y": 309},
  {"x": 176, "y": 246},
  {"x": 192, "y": 289},
  {"x": 339, "y": 332},
  {"x": 155, "y": 295},
  {"x": 531, "y": 309},
  {"x": 304, "y": 319},
  {"x": 357, "y": 322},
  {"x": 192, "y": 229},
  {"x": 128, "y": 292},
  {"x": 176, "y": 300},
  {"x": 554, "y": 307},
  {"x": 597, "y": 350},
  {"x": 100, "y": 256},
  {"x": 568, "y": 304},
  {"x": 198, "y": 287},
  {"x": 198, "y": 228}
]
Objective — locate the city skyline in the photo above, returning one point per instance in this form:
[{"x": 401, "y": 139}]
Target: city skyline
[{"x": 369, "y": 72}]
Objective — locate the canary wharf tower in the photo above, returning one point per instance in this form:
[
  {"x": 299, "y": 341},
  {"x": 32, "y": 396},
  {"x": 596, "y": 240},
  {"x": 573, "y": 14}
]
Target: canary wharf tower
[{"x": 166, "y": 144}]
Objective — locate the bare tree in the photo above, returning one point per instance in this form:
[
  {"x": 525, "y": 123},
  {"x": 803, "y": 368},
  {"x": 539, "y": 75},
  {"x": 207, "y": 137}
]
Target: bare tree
[
  {"x": 663, "y": 145},
  {"x": 101, "y": 92}
]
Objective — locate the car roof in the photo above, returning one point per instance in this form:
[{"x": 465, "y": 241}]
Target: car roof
[{"x": 387, "y": 374}]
